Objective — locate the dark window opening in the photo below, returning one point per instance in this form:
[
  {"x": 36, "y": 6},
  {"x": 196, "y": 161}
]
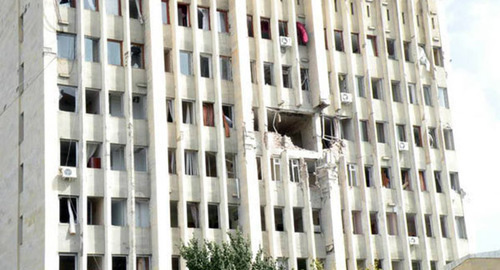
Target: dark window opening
[
  {"x": 268, "y": 74},
  {"x": 67, "y": 262},
  {"x": 391, "y": 49},
  {"x": 68, "y": 153},
  {"x": 119, "y": 212},
  {"x": 170, "y": 110},
  {"x": 95, "y": 213},
  {"x": 250, "y": 25},
  {"x": 279, "y": 224},
  {"x": 204, "y": 18},
  {"x": 205, "y": 66},
  {"x": 304, "y": 79},
  {"x": 405, "y": 179},
  {"x": 287, "y": 76},
  {"x": 94, "y": 262},
  {"x": 355, "y": 42},
  {"x": 211, "y": 164},
  {"x": 213, "y": 216},
  {"x": 135, "y": 9},
  {"x": 368, "y": 176},
  {"x": 193, "y": 215},
  {"x": 437, "y": 181},
  {"x": 283, "y": 28},
  {"x": 174, "y": 216},
  {"x": 91, "y": 49},
  {"x": 119, "y": 263},
  {"x": 386, "y": 177},
  {"x": 374, "y": 222},
  {"x": 417, "y": 136},
  {"x": 92, "y": 100},
  {"x": 137, "y": 55},
  {"x": 298, "y": 223},
  {"x": 372, "y": 45},
  {"x": 68, "y": 210},
  {"x": 339, "y": 41},
  {"x": 67, "y": 98},
  {"x": 265, "y": 26},
  {"x": 297, "y": 127},
  {"x": 183, "y": 15},
  {"x": 234, "y": 216},
  {"x": 377, "y": 88},
  {"x": 411, "y": 224},
  {"x": 171, "y": 161}
]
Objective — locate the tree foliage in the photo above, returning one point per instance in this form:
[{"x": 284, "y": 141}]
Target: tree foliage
[{"x": 232, "y": 255}]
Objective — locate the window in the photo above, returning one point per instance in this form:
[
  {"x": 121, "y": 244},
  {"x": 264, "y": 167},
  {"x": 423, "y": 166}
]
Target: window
[
  {"x": 328, "y": 131},
  {"x": 165, "y": 15},
  {"x": 427, "y": 95},
  {"x": 346, "y": 129},
  {"x": 437, "y": 181},
  {"x": 386, "y": 177},
  {"x": 401, "y": 132},
  {"x": 92, "y": 101},
  {"x": 183, "y": 15},
  {"x": 234, "y": 214},
  {"x": 167, "y": 60},
  {"x": 95, "y": 211},
  {"x": 186, "y": 63},
  {"x": 142, "y": 213},
  {"x": 405, "y": 179},
  {"x": 191, "y": 162},
  {"x": 93, "y": 155},
  {"x": 433, "y": 143},
  {"x": 316, "y": 219},
  {"x": 139, "y": 106},
  {"x": 67, "y": 98},
  {"x": 119, "y": 212},
  {"x": 193, "y": 215},
  {"x": 461, "y": 231},
  {"x": 250, "y": 25},
  {"x": 275, "y": 169},
  {"x": 298, "y": 223},
  {"x": 174, "y": 215},
  {"x": 351, "y": 175},
  {"x": 380, "y": 132},
  {"x": 142, "y": 263},
  {"x": 68, "y": 210},
  {"x": 438, "y": 56},
  {"x": 91, "y": 49},
  {"x": 406, "y": 50},
  {"x": 113, "y": 7},
  {"x": 279, "y": 224},
  {"x": 204, "y": 18},
  {"x": 268, "y": 73},
  {"x": 137, "y": 55},
  {"x": 68, "y": 153},
  {"x": 339, "y": 41},
  {"x": 415, "y": 265},
  {"x": 135, "y": 8},
  {"x": 208, "y": 114},
  {"x": 67, "y": 3},
  {"x": 391, "y": 49},
  {"x": 283, "y": 28},
  {"x": 444, "y": 226},
  {"x": 428, "y": 226},
  {"x": 287, "y": 76},
  {"x": 363, "y": 126},
  {"x": 66, "y": 46},
  {"x": 357, "y": 228},
  {"x": 140, "y": 159},
  {"x": 433, "y": 265},
  {"x": 342, "y": 79},
  {"x": 231, "y": 165},
  {"x": 205, "y": 65},
  {"x": 115, "y": 104},
  {"x": 223, "y": 21},
  {"x": 368, "y": 176},
  {"x": 188, "y": 116},
  {"x": 371, "y": 45},
  {"x": 172, "y": 161},
  {"x": 412, "y": 95},
  {"x": 411, "y": 224},
  {"x": 454, "y": 183},
  {"x": 373, "y": 222},
  {"x": 301, "y": 264},
  {"x": 226, "y": 69},
  {"x": 448, "y": 139},
  {"x": 304, "y": 79},
  {"x": 176, "y": 265},
  {"x": 253, "y": 71},
  {"x": 119, "y": 262},
  {"x": 68, "y": 262},
  {"x": 117, "y": 157},
  {"x": 294, "y": 170},
  {"x": 421, "y": 178},
  {"x": 213, "y": 216},
  {"x": 94, "y": 262},
  {"x": 265, "y": 27},
  {"x": 355, "y": 42},
  {"x": 21, "y": 178},
  {"x": 443, "y": 97},
  {"x": 227, "y": 118},
  {"x": 417, "y": 136},
  {"x": 392, "y": 224},
  {"x": 376, "y": 88},
  {"x": 361, "y": 264},
  {"x": 360, "y": 83},
  {"x": 396, "y": 91},
  {"x": 114, "y": 52},
  {"x": 259, "y": 167},
  {"x": 211, "y": 164}
]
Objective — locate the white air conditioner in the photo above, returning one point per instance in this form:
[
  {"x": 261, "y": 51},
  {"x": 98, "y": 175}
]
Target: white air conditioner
[
  {"x": 413, "y": 240},
  {"x": 346, "y": 97},
  {"x": 317, "y": 228},
  {"x": 285, "y": 42},
  {"x": 67, "y": 172},
  {"x": 403, "y": 146}
]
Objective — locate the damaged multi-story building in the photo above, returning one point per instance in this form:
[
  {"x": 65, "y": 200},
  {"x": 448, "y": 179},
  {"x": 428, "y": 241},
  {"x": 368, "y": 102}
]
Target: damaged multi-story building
[{"x": 319, "y": 128}]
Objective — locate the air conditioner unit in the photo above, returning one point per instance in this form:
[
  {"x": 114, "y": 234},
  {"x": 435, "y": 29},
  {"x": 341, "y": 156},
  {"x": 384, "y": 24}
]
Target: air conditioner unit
[
  {"x": 317, "y": 228},
  {"x": 403, "y": 146},
  {"x": 67, "y": 172},
  {"x": 285, "y": 42},
  {"x": 413, "y": 240},
  {"x": 346, "y": 97}
]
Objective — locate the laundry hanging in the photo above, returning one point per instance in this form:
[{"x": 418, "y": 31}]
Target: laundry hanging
[{"x": 302, "y": 33}]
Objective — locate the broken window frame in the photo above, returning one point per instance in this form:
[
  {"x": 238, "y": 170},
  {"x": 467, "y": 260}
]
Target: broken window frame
[
  {"x": 203, "y": 24},
  {"x": 193, "y": 214},
  {"x": 137, "y": 55},
  {"x": 339, "y": 40},
  {"x": 68, "y": 98},
  {"x": 142, "y": 213},
  {"x": 210, "y": 164},
  {"x": 183, "y": 19},
  {"x": 205, "y": 65},
  {"x": 191, "y": 162},
  {"x": 188, "y": 112},
  {"x": 67, "y": 158},
  {"x": 265, "y": 27},
  {"x": 227, "y": 118},
  {"x": 115, "y": 56},
  {"x": 66, "y": 46},
  {"x": 222, "y": 21},
  {"x": 91, "y": 49},
  {"x": 294, "y": 165}
]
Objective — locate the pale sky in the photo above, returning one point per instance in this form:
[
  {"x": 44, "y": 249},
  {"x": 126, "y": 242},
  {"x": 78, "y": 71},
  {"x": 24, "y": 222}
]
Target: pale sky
[{"x": 471, "y": 30}]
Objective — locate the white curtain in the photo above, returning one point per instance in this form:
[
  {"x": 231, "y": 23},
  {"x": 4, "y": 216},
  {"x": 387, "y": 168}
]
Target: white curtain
[
  {"x": 72, "y": 222},
  {"x": 422, "y": 58},
  {"x": 194, "y": 215},
  {"x": 170, "y": 105},
  {"x": 370, "y": 48},
  {"x": 90, "y": 4},
  {"x": 171, "y": 161},
  {"x": 191, "y": 163},
  {"x": 142, "y": 214},
  {"x": 91, "y": 150}
]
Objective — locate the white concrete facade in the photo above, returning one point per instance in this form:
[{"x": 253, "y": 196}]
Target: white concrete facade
[{"x": 336, "y": 149}]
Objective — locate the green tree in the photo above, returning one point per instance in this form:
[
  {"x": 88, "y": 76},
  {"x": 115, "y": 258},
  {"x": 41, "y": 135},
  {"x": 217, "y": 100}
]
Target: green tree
[{"x": 232, "y": 255}]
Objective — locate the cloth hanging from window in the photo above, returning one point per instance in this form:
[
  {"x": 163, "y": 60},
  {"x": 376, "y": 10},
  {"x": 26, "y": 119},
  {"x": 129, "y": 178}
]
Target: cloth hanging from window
[
  {"x": 208, "y": 115},
  {"x": 422, "y": 58},
  {"x": 72, "y": 222},
  {"x": 170, "y": 105},
  {"x": 423, "y": 187},
  {"x": 226, "y": 126},
  {"x": 302, "y": 33}
]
